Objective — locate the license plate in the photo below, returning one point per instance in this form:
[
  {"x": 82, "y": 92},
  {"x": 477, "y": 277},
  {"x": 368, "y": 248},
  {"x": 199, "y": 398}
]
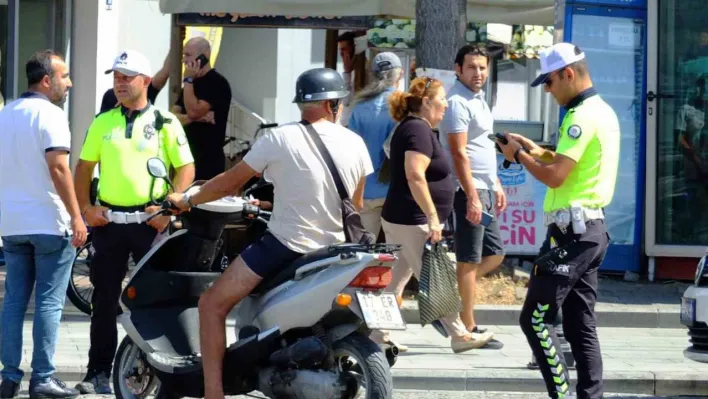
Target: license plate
[
  {"x": 688, "y": 311},
  {"x": 381, "y": 311}
]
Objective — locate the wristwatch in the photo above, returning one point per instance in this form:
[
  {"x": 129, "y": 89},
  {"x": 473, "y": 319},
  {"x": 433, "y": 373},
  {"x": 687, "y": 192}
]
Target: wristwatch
[
  {"x": 187, "y": 198},
  {"x": 516, "y": 154},
  {"x": 188, "y": 80}
]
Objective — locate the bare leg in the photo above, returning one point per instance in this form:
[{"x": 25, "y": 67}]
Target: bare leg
[
  {"x": 467, "y": 275},
  {"x": 214, "y": 305}
]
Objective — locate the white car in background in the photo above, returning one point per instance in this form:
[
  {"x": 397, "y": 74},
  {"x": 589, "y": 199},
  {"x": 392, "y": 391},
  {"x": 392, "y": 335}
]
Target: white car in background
[{"x": 694, "y": 314}]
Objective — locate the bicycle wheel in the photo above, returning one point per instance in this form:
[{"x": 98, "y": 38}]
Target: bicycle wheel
[{"x": 80, "y": 289}]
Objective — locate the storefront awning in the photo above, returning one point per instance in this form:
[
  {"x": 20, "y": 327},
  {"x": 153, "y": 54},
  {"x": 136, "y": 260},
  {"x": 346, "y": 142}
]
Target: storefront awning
[{"x": 528, "y": 12}]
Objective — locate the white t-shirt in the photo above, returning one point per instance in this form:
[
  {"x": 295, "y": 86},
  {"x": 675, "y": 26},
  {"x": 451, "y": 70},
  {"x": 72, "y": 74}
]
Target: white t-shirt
[
  {"x": 307, "y": 212},
  {"x": 29, "y": 204}
]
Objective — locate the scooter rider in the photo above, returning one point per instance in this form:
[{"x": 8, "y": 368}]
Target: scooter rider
[
  {"x": 122, "y": 140},
  {"x": 307, "y": 208},
  {"x": 581, "y": 176}
]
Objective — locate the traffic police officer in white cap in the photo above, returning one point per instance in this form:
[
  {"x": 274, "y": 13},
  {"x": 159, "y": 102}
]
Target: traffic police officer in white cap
[{"x": 580, "y": 176}]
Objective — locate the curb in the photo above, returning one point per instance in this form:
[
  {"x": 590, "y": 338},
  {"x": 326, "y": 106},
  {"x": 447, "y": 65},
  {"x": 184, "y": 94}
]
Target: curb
[
  {"x": 607, "y": 316},
  {"x": 516, "y": 380},
  {"x": 669, "y": 383}
]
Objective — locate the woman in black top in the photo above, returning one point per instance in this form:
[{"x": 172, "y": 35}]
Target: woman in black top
[{"x": 421, "y": 191}]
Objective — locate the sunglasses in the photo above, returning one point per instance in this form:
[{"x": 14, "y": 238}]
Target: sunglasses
[{"x": 549, "y": 81}]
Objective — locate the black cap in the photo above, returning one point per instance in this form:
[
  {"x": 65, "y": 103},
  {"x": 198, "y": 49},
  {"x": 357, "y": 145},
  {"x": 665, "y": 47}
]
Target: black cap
[{"x": 319, "y": 84}]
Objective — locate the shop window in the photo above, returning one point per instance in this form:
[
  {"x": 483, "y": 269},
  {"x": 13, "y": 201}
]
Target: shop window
[
  {"x": 41, "y": 27},
  {"x": 682, "y": 137}
]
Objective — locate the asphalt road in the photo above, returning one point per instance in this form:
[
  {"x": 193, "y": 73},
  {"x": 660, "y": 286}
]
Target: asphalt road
[{"x": 403, "y": 394}]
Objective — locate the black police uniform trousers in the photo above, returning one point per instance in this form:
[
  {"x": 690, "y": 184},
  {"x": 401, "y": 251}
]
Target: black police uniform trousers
[
  {"x": 564, "y": 278},
  {"x": 113, "y": 243}
]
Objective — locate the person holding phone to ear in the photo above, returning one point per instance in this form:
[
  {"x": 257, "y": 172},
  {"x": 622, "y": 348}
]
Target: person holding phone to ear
[{"x": 203, "y": 109}]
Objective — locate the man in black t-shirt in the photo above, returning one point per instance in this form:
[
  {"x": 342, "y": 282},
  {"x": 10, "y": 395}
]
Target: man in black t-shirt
[
  {"x": 203, "y": 109},
  {"x": 158, "y": 81}
]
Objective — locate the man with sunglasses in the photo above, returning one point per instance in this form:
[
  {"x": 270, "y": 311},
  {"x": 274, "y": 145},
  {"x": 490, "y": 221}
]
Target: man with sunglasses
[{"x": 581, "y": 176}]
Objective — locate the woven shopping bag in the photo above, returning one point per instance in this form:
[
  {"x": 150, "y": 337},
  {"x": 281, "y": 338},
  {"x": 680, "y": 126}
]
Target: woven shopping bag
[{"x": 437, "y": 289}]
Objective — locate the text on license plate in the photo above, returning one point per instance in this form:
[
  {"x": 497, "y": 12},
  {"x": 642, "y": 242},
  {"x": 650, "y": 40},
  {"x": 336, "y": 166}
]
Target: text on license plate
[
  {"x": 381, "y": 311},
  {"x": 688, "y": 311}
]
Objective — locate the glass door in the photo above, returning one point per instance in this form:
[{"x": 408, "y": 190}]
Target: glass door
[
  {"x": 4, "y": 30},
  {"x": 676, "y": 111},
  {"x": 613, "y": 40}
]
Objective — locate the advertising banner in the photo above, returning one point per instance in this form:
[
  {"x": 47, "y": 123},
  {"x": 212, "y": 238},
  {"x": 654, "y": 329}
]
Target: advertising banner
[{"x": 521, "y": 224}]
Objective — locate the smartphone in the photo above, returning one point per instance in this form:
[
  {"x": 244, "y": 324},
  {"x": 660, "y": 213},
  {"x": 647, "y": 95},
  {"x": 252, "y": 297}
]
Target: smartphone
[
  {"x": 486, "y": 219},
  {"x": 498, "y": 136},
  {"x": 203, "y": 60}
]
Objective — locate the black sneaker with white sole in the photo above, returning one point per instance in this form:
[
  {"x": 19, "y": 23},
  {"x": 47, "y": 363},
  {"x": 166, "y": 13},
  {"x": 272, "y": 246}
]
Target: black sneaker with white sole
[
  {"x": 493, "y": 344},
  {"x": 95, "y": 383}
]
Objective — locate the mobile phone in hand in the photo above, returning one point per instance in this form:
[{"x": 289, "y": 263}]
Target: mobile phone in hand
[
  {"x": 203, "y": 60},
  {"x": 487, "y": 218}
]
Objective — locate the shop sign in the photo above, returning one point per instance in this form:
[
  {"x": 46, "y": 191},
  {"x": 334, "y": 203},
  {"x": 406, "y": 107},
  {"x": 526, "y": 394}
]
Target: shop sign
[{"x": 274, "y": 21}]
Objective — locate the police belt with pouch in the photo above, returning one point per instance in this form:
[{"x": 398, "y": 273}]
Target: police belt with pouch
[
  {"x": 576, "y": 215},
  {"x": 126, "y": 217}
]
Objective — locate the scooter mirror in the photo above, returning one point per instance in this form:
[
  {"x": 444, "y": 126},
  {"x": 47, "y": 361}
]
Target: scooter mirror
[{"x": 157, "y": 168}]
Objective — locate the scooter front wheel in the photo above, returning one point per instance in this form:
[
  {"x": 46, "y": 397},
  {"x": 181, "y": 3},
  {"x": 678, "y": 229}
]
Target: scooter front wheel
[
  {"x": 361, "y": 360},
  {"x": 133, "y": 378}
]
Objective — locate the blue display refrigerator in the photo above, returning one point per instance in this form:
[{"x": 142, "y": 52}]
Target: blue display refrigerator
[{"x": 613, "y": 36}]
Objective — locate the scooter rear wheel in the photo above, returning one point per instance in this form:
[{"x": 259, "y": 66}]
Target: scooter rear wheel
[{"x": 361, "y": 358}]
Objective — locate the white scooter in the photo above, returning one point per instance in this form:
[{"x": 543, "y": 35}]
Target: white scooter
[{"x": 303, "y": 333}]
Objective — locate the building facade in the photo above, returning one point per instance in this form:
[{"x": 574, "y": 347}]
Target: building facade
[{"x": 88, "y": 37}]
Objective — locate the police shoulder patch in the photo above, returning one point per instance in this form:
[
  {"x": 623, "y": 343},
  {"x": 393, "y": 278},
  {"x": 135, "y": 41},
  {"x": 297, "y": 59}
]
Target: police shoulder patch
[
  {"x": 181, "y": 139},
  {"x": 574, "y": 132}
]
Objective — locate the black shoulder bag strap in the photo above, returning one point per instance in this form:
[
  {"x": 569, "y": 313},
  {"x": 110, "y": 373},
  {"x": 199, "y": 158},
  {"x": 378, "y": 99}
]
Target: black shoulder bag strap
[
  {"x": 327, "y": 159},
  {"x": 354, "y": 230}
]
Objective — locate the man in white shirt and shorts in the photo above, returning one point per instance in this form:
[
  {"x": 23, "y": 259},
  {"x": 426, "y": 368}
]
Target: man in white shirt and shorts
[{"x": 307, "y": 212}]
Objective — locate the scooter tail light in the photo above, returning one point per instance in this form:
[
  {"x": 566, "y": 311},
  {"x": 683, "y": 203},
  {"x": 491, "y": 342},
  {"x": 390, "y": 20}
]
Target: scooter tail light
[
  {"x": 385, "y": 258},
  {"x": 374, "y": 277}
]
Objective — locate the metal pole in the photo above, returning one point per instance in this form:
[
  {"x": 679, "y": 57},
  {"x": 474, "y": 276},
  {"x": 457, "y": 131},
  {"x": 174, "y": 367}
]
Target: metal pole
[
  {"x": 13, "y": 37},
  {"x": 331, "y": 49}
]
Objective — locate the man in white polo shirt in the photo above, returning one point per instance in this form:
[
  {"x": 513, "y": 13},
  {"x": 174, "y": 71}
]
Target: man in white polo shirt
[
  {"x": 41, "y": 223},
  {"x": 464, "y": 133}
]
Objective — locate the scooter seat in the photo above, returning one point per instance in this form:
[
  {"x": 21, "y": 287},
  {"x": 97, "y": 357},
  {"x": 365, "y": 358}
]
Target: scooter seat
[{"x": 288, "y": 273}]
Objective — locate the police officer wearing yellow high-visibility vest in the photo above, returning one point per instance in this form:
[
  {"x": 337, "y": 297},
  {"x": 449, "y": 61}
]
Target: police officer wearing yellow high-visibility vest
[
  {"x": 122, "y": 140},
  {"x": 580, "y": 176}
]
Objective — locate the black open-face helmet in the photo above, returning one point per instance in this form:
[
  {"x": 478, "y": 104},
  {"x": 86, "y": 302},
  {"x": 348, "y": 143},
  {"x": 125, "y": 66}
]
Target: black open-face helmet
[{"x": 319, "y": 84}]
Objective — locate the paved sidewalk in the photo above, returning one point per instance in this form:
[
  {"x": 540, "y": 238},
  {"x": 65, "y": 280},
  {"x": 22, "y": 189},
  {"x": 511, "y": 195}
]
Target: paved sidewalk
[
  {"x": 640, "y": 361},
  {"x": 620, "y": 304},
  {"x": 637, "y": 361}
]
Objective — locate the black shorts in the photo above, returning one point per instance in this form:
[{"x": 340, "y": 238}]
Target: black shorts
[
  {"x": 475, "y": 241},
  {"x": 267, "y": 256}
]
